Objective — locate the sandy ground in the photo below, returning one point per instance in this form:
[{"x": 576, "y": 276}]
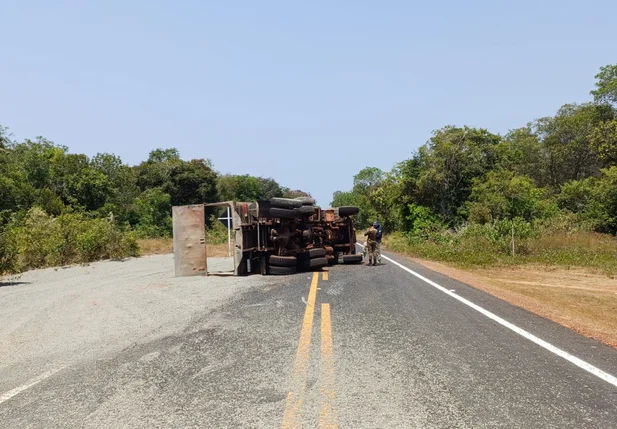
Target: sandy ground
[
  {"x": 579, "y": 299},
  {"x": 55, "y": 317}
]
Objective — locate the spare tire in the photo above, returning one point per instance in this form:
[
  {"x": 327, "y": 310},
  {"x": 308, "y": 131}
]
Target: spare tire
[
  {"x": 312, "y": 254},
  {"x": 306, "y": 201},
  {"x": 352, "y": 259},
  {"x": 313, "y": 264},
  {"x": 306, "y": 210},
  {"x": 281, "y": 271},
  {"x": 285, "y": 203},
  {"x": 282, "y": 213},
  {"x": 282, "y": 261},
  {"x": 348, "y": 211}
]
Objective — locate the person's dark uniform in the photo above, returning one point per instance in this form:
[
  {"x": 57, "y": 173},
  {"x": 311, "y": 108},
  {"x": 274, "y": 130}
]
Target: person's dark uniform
[
  {"x": 371, "y": 245},
  {"x": 377, "y": 226}
]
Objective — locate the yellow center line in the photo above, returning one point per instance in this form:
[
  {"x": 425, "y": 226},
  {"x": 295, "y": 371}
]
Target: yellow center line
[
  {"x": 295, "y": 398},
  {"x": 327, "y": 414},
  {"x": 324, "y": 275}
]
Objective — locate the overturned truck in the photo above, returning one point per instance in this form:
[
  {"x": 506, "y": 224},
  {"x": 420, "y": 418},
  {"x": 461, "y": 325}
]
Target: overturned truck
[{"x": 277, "y": 236}]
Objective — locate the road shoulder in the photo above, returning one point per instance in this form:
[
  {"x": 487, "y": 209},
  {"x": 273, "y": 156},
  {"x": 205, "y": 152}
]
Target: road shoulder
[{"x": 578, "y": 299}]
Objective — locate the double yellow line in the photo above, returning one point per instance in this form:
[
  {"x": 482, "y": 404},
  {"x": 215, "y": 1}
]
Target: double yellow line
[{"x": 293, "y": 409}]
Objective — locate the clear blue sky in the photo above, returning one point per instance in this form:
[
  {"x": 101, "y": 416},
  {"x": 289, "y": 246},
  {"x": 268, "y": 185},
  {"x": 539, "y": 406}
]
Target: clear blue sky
[{"x": 305, "y": 93}]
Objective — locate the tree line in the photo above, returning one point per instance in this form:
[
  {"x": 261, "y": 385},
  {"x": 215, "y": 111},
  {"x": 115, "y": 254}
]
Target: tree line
[
  {"x": 560, "y": 169},
  {"x": 58, "y": 207}
]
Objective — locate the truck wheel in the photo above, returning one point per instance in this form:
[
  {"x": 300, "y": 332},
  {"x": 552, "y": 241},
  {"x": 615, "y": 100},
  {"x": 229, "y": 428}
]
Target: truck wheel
[
  {"x": 306, "y": 210},
  {"x": 313, "y": 264},
  {"x": 348, "y": 211},
  {"x": 282, "y": 213},
  {"x": 352, "y": 259},
  {"x": 312, "y": 254},
  {"x": 283, "y": 261},
  {"x": 306, "y": 201},
  {"x": 319, "y": 252},
  {"x": 281, "y": 271},
  {"x": 285, "y": 203}
]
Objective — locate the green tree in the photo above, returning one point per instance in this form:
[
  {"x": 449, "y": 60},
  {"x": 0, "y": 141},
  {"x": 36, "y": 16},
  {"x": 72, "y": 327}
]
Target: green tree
[
  {"x": 386, "y": 198},
  {"x": 295, "y": 193},
  {"x": 5, "y": 138},
  {"x": 566, "y": 140},
  {"x": 594, "y": 199},
  {"x": 603, "y": 140},
  {"x": 521, "y": 151},
  {"x": 340, "y": 199},
  {"x": 449, "y": 163},
  {"x": 192, "y": 182},
  {"x": 90, "y": 189},
  {"x": 156, "y": 170},
  {"x": 504, "y": 195},
  {"x": 239, "y": 188},
  {"x": 606, "y": 85},
  {"x": 124, "y": 189},
  {"x": 154, "y": 213},
  {"x": 269, "y": 188}
]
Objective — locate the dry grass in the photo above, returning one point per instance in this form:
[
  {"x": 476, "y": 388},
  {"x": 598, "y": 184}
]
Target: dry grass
[
  {"x": 155, "y": 246},
  {"x": 217, "y": 250},
  {"x": 580, "y": 299},
  {"x": 162, "y": 246},
  {"x": 593, "y": 251}
]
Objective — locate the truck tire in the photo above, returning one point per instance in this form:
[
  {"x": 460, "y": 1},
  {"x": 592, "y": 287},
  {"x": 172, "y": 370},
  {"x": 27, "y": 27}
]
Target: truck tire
[
  {"x": 306, "y": 210},
  {"x": 336, "y": 258},
  {"x": 306, "y": 201},
  {"x": 282, "y": 213},
  {"x": 352, "y": 259},
  {"x": 312, "y": 254},
  {"x": 313, "y": 264},
  {"x": 348, "y": 211},
  {"x": 281, "y": 271},
  {"x": 282, "y": 261},
  {"x": 285, "y": 203}
]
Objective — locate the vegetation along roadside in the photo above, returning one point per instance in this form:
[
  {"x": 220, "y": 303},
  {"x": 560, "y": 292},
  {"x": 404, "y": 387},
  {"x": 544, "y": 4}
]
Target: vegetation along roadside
[{"x": 536, "y": 207}]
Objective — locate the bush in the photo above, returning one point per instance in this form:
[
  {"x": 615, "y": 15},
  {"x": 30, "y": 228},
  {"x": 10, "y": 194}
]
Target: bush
[
  {"x": 153, "y": 209},
  {"x": 39, "y": 240},
  {"x": 8, "y": 253},
  {"x": 103, "y": 240},
  {"x": 216, "y": 232}
]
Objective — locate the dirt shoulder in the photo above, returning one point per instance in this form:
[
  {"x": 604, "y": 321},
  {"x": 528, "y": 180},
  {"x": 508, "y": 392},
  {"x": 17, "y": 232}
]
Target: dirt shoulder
[
  {"x": 164, "y": 246},
  {"x": 579, "y": 299}
]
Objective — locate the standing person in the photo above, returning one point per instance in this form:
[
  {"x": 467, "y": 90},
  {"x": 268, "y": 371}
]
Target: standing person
[
  {"x": 371, "y": 244},
  {"x": 379, "y": 229}
]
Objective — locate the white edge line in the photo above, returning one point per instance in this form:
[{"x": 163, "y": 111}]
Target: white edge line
[
  {"x": 8, "y": 395},
  {"x": 567, "y": 356}
]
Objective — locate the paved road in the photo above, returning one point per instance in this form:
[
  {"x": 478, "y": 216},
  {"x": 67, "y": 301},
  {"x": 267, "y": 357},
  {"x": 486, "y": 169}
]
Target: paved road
[{"x": 358, "y": 347}]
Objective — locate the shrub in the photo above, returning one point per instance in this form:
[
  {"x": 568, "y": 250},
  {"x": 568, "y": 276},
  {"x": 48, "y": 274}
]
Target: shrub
[
  {"x": 103, "y": 240},
  {"x": 39, "y": 240}
]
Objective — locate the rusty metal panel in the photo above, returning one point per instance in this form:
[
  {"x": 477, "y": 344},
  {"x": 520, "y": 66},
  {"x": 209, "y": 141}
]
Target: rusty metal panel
[{"x": 189, "y": 240}]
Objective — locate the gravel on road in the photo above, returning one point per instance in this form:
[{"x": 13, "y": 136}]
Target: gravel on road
[{"x": 58, "y": 316}]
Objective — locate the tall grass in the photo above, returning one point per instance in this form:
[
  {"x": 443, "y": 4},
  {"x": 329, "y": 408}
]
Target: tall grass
[{"x": 486, "y": 245}]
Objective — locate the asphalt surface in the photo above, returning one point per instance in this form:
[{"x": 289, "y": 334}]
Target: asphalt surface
[{"x": 368, "y": 347}]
